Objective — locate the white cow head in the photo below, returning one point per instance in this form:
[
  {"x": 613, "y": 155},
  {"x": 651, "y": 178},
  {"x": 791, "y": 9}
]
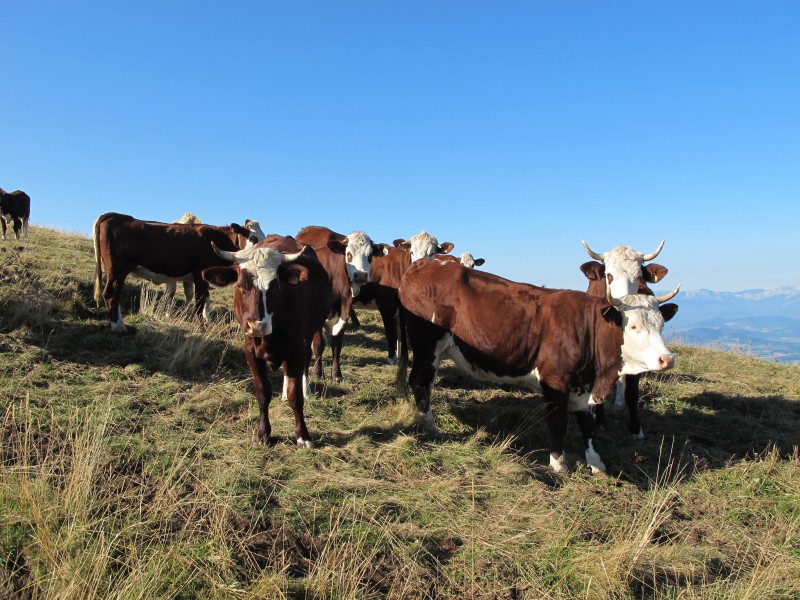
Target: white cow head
[
  {"x": 643, "y": 348},
  {"x": 423, "y": 245},
  {"x": 470, "y": 261},
  {"x": 358, "y": 250},
  {"x": 624, "y": 268}
]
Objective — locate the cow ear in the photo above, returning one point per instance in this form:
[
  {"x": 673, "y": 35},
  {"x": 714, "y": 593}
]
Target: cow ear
[
  {"x": 220, "y": 276},
  {"x": 611, "y": 315},
  {"x": 337, "y": 247},
  {"x": 396, "y": 243},
  {"x": 593, "y": 270},
  {"x": 668, "y": 310},
  {"x": 380, "y": 249},
  {"x": 446, "y": 247},
  {"x": 654, "y": 273},
  {"x": 404, "y": 246},
  {"x": 292, "y": 273},
  {"x": 479, "y": 262}
]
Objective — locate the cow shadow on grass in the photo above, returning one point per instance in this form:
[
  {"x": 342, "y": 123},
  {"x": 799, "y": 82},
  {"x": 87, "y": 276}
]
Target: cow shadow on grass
[{"x": 709, "y": 433}]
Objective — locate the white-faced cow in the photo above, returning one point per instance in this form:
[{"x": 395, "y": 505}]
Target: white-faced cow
[
  {"x": 347, "y": 259},
  {"x": 123, "y": 244},
  {"x": 384, "y": 281},
  {"x": 281, "y": 299},
  {"x": 15, "y": 207},
  {"x": 623, "y": 272},
  {"x": 567, "y": 345},
  {"x": 466, "y": 259}
]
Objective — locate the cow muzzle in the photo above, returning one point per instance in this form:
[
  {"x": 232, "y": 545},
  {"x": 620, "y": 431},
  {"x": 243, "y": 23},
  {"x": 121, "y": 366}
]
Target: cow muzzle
[
  {"x": 665, "y": 362},
  {"x": 360, "y": 278},
  {"x": 258, "y": 328}
]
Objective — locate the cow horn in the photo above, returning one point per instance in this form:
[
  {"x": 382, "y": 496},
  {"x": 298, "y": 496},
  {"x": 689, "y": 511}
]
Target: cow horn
[
  {"x": 592, "y": 253},
  {"x": 670, "y": 296},
  {"x": 231, "y": 256},
  {"x": 295, "y": 256},
  {"x": 611, "y": 300},
  {"x": 652, "y": 255}
]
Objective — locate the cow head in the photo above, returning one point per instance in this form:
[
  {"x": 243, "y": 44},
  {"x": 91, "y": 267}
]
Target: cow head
[
  {"x": 258, "y": 273},
  {"x": 358, "y": 250},
  {"x": 423, "y": 245},
  {"x": 642, "y": 320},
  {"x": 469, "y": 261},
  {"x": 622, "y": 269}
]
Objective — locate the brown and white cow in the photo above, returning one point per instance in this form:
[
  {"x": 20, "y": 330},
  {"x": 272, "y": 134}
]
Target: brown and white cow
[
  {"x": 567, "y": 345},
  {"x": 384, "y": 281},
  {"x": 624, "y": 268},
  {"x": 281, "y": 299},
  {"x": 466, "y": 259},
  {"x": 15, "y": 207},
  {"x": 347, "y": 259},
  {"x": 123, "y": 244}
]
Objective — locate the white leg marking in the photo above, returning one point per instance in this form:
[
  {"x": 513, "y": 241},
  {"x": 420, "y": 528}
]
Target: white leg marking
[
  {"x": 337, "y": 328},
  {"x": 306, "y": 389},
  {"x": 559, "y": 465},
  {"x": 285, "y": 392},
  {"x": 619, "y": 399},
  {"x": 427, "y": 420},
  {"x": 594, "y": 461},
  {"x": 301, "y": 443},
  {"x": 638, "y": 436}
]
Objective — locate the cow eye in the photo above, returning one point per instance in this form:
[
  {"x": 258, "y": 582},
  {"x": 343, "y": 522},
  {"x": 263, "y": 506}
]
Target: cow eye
[
  {"x": 370, "y": 259},
  {"x": 609, "y": 277},
  {"x": 349, "y": 257}
]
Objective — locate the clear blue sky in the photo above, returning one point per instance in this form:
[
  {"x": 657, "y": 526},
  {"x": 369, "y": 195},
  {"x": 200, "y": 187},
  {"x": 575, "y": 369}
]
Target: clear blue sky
[{"x": 513, "y": 129}]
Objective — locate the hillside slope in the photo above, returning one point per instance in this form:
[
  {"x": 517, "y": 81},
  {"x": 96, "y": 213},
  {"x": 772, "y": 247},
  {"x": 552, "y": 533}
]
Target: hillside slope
[{"x": 129, "y": 469}]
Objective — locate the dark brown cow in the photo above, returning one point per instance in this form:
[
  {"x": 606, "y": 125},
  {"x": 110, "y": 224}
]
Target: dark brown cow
[
  {"x": 123, "y": 244},
  {"x": 385, "y": 276},
  {"x": 15, "y": 207},
  {"x": 280, "y": 301},
  {"x": 627, "y": 269},
  {"x": 347, "y": 259},
  {"x": 567, "y": 345}
]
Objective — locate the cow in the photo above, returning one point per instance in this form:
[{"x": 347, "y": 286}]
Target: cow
[
  {"x": 188, "y": 279},
  {"x": 15, "y": 207},
  {"x": 281, "y": 299},
  {"x": 384, "y": 281},
  {"x": 347, "y": 259},
  {"x": 466, "y": 259},
  {"x": 626, "y": 272},
  {"x": 123, "y": 244},
  {"x": 564, "y": 344}
]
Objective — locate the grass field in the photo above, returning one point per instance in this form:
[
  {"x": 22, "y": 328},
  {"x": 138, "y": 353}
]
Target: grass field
[{"x": 128, "y": 469}]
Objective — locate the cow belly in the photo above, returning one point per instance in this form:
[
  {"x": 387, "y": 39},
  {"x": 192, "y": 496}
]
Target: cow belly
[
  {"x": 159, "y": 278},
  {"x": 579, "y": 400},
  {"x": 446, "y": 348}
]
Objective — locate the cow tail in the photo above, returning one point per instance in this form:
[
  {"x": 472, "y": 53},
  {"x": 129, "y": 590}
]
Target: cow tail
[
  {"x": 401, "y": 379},
  {"x": 98, "y": 274}
]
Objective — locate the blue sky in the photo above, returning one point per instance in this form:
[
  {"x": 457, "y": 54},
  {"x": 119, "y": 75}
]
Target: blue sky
[{"x": 512, "y": 129}]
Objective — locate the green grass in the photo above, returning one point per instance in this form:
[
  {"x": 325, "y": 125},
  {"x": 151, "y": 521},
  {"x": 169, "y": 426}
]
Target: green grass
[{"x": 128, "y": 469}]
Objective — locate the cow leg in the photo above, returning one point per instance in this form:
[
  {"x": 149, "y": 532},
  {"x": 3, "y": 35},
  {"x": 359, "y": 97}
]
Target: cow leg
[
  {"x": 263, "y": 391},
  {"x": 201, "y": 298},
  {"x": 294, "y": 396},
  {"x": 427, "y": 355},
  {"x": 557, "y": 425},
  {"x": 318, "y": 345},
  {"x": 188, "y": 291},
  {"x": 354, "y": 318},
  {"x": 336, "y": 352},
  {"x": 3, "y": 223},
  {"x": 112, "y": 295},
  {"x": 586, "y": 422},
  {"x": 632, "y": 400},
  {"x": 17, "y": 227},
  {"x": 25, "y": 226},
  {"x": 169, "y": 292},
  {"x": 390, "y": 325}
]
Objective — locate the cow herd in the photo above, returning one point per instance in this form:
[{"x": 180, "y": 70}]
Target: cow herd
[{"x": 294, "y": 294}]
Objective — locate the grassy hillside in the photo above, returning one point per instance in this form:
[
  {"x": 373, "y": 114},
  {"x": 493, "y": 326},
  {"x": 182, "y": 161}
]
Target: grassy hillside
[{"x": 128, "y": 469}]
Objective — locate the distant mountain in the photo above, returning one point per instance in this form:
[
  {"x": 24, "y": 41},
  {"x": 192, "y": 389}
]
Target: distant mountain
[{"x": 762, "y": 323}]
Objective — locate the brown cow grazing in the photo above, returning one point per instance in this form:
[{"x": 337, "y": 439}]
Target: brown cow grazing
[
  {"x": 385, "y": 276},
  {"x": 628, "y": 275},
  {"x": 280, "y": 301},
  {"x": 15, "y": 207},
  {"x": 347, "y": 259},
  {"x": 123, "y": 244},
  {"x": 567, "y": 345}
]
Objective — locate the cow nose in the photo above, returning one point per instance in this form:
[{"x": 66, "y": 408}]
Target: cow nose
[
  {"x": 666, "y": 361},
  {"x": 257, "y": 329},
  {"x": 360, "y": 277}
]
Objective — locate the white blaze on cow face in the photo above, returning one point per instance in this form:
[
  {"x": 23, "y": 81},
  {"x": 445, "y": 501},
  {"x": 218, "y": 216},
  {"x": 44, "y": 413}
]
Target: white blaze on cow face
[
  {"x": 623, "y": 266},
  {"x": 358, "y": 257},
  {"x": 423, "y": 245},
  {"x": 263, "y": 264},
  {"x": 643, "y": 348}
]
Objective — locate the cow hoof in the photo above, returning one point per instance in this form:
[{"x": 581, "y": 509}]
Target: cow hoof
[
  {"x": 392, "y": 361},
  {"x": 597, "y": 472},
  {"x": 301, "y": 443},
  {"x": 559, "y": 465}
]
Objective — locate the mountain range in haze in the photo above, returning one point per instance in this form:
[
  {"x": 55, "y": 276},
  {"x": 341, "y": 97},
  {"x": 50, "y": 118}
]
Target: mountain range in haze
[{"x": 760, "y": 323}]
